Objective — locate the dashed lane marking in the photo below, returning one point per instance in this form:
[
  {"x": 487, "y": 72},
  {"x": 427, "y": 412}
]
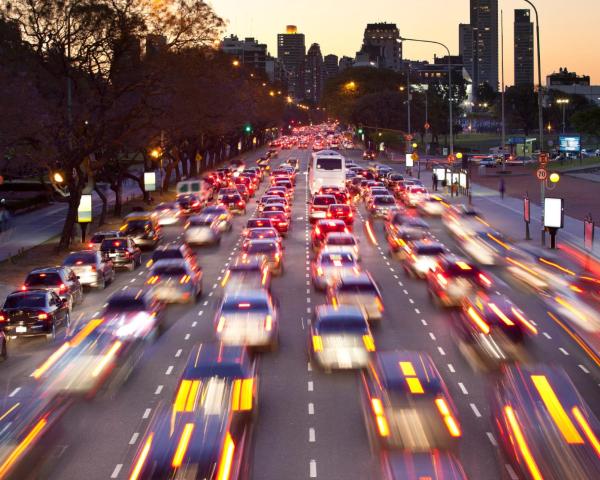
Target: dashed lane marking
[
  {"x": 451, "y": 368},
  {"x": 475, "y": 410},
  {"x": 116, "y": 471},
  {"x": 169, "y": 370},
  {"x": 134, "y": 438},
  {"x": 311, "y": 408},
  {"x": 463, "y": 388},
  {"x": 158, "y": 390},
  {"x": 146, "y": 413}
]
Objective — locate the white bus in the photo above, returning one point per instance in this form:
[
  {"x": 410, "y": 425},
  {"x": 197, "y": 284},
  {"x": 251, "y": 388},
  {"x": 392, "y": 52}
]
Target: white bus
[{"x": 326, "y": 169}]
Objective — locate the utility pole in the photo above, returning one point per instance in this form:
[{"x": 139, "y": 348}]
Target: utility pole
[{"x": 502, "y": 96}]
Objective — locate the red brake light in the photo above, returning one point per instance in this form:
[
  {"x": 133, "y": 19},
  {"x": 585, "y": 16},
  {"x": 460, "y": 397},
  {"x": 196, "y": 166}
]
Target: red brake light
[
  {"x": 42, "y": 316},
  {"x": 62, "y": 288},
  {"x": 90, "y": 245},
  {"x": 485, "y": 280},
  {"x": 23, "y": 288},
  {"x": 2, "y": 317}
]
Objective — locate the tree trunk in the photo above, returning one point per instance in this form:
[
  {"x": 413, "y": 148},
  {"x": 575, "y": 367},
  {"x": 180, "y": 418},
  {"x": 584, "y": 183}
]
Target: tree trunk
[
  {"x": 104, "y": 204},
  {"x": 117, "y": 188},
  {"x": 140, "y": 182},
  {"x": 167, "y": 179},
  {"x": 71, "y": 218}
]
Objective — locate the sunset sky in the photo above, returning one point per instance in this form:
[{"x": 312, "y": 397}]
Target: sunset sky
[{"x": 568, "y": 28}]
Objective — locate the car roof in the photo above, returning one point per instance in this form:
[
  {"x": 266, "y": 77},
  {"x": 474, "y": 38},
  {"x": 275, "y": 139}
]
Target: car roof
[
  {"x": 218, "y": 359},
  {"x": 246, "y": 295},
  {"x": 48, "y": 270},
  {"x": 362, "y": 278},
  {"x": 424, "y": 465},
  {"x": 331, "y": 314},
  {"x": 393, "y": 368}
]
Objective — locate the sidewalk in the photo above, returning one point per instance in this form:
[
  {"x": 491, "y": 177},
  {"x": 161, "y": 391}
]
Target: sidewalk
[{"x": 39, "y": 226}]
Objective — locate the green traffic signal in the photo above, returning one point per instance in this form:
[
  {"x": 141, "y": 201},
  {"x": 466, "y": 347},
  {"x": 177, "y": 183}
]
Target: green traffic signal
[
  {"x": 248, "y": 128},
  {"x": 360, "y": 131}
]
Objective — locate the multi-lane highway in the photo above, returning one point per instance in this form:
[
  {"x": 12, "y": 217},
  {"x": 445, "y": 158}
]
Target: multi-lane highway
[{"x": 310, "y": 423}]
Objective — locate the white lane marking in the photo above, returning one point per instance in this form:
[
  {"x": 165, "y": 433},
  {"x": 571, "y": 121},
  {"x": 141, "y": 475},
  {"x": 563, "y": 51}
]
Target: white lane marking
[
  {"x": 475, "y": 410},
  {"x": 401, "y": 284},
  {"x": 200, "y": 313},
  {"x": 169, "y": 370},
  {"x": 95, "y": 314},
  {"x": 563, "y": 351},
  {"x": 492, "y": 439},
  {"x": 405, "y": 292},
  {"x": 432, "y": 336},
  {"x": 307, "y": 282},
  {"x": 125, "y": 287},
  {"x": 424, "y": 322},
  {"x": 132, "y": 280},
  {"x": 308, "y": 310},
  {"x": 146, "y": 413},
  {"x": 392, "y": 270},
  {"x": 194, "y": 324},
  {"x": 463, "y": 388},
  {"x": 585, "y": 370},
  {"x": 311, "y": 408},
  {"x": 451, "y": 368},
  {"x": 417, "y": 311},
  {"x": 547, "y": 335},
  {"x": 308, "y": 290},
  {"x": 178, "y": 353},
  {"x": 411, "y": 300},
  {"x": 441, "y": 350},
  {"x": 396, "y": 277},
  {"x": 307, "y": 299},
  {"x": 312, "y": 467},
  {"x": 116, "y": 471},
  {"x": 309, "y": 367},
  {"x": 511, "y": 472},
  {"x": 187, "y": 336},
  {"x": 134, "y": 438},
  {"x": 311, "y": 386},
  {"x": 140, "y": 274},
  {"x": 205, "y": 303},
  {"x": 311, "y": 435},
  {"x": 14, "y": 392},
  {"x": 214, "y": 286},
  {"x": 158, "y": 390},
  {"x": 210, "y": 294}
]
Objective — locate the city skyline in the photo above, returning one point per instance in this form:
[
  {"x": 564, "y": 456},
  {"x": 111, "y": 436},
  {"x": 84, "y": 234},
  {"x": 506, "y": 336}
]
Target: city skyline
[{"x": 340, "y": 30}]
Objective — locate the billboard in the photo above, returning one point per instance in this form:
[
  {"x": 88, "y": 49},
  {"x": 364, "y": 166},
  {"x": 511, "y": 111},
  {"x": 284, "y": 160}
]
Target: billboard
[
  {"x": 84, "y": 211},
  {"x": 553, "y": 212},
  {"x": 570, "y": 143},
  {"x": 409, "y": 160},
  {"x": 150, "y": 181}
]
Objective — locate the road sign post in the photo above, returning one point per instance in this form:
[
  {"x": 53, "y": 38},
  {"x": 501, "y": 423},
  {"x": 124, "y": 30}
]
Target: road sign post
[
  {"x": 543, "y": 159},
  {"x": 527, "y": 215}
]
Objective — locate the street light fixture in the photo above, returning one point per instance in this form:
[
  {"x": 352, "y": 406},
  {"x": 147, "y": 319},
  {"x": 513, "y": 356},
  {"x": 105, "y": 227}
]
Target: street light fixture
[
  {"x": 563, "y": 102},
  {"x": 57, "y": 177},
  {"x": 155, "y": 153},
  {"x": 404, "y": 39},
  {"x": 236, "y": 63}
]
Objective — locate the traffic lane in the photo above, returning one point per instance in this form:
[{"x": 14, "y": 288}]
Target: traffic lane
[
  {"x": 119, "y": 420},
  {"x": 411, "y": 322}
]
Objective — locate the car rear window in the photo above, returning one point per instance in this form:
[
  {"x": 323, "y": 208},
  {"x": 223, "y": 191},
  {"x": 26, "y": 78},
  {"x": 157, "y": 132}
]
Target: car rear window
[
  {"x": 263, "y": 233},
  {"x": 171, "y": 270},
  {"x": 214, "y": 209},
  {"x": 340, "y": 208},
  {"x": 201, "y": 222},
  {"x": 37, "y": 300},
  {"x": 80, "y": 258},
  {"x": 429, "y": 250},
  {"x": 114, "y": 244},
  {"x": 43, "y": 279},
  {"x": 357, "y": 288},
  {"x": 324, "y": 200},
  {"x": 384, "y": 200},
  {"x": 263, "y": 222},
  {"x": 174, "y": 253},
  {"x": 330, "y": 164},
  {"x": 261, "y": 247},
  {"x": 137, "y": 225},
  {"x": 340, "y": 240},
  {"x": 342, "y": 326}
]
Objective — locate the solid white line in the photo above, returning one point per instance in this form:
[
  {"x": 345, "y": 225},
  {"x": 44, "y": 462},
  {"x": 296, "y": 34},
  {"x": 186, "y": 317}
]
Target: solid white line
[
  {"x": 585, "y": 370},
  {"x": 146, "y": 413},
  {"x": 463, "y": 388},
  {"x": 313, "y": 469},
  {"x": 311, "y": 435},
  {"x": 492, "y": 439},
  {"x": 441, "y": 350},
  {"x": 169, "y": 370},
  {"x": 311, "y": 386},
  {"x": 178, "y": 353},
  {"x": 116, "y": 471},
  {"x": 475, "y": 410},
  {"x": 158, "y": 390},
  {"x": 451, "y": 368},
  {"x": 134, "y": 438},
  {"x": 563, "y": 351},
  {"x": 311, "y": 408}
]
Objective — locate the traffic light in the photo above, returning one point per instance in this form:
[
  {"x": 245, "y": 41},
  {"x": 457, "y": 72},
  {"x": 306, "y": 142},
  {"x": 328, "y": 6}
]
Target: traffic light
[
  {"x": 360, "y": 131},
  {"x": 247, "y": 128}
]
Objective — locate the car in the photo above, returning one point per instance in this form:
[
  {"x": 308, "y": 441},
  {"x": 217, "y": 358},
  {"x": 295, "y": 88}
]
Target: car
[
  {"x": 382, "y": 205},
  {"x": 403, "y": 393},
  {"x": 270, "y": 249},
  {"x": 493, "y": 327},
  {"x": 33, "y": 313},
  {"x": 249, "y": 318},
  {"x": 421, "y": 465},
  {"x": 543, "y": 426},
  {"x": 203, "y": 229},
  {"x": 176, "y": 280},
  {"x": 360, "y": 291},
  {"x": 259, "y": 222},
  {"x": 96, "y": 240},
  {"x": 343, "y": 212},
  {"x": 244, "y": 192},
  {"x": 369, "y": 155},
  {"x": 462, "y": 220},
  {"x": 123, "y": 252},
  {"x": 319, "y": 206},
  {"x": 401, "y": 230},
  {"x": 451, "y": 279},
  {"x": 341, "y": 197},
  {"x": 414, "y": 195},
  {"x": 265, "y": 199},
  {"x": 328, "y": 267},
  {"x": 234, "y": 203},
  {"x": 433, "y": 206},
  {"x": 263, "y": 233},
  {"x": 322, "y": 228},
  {"x": 247, "y": 272},
  {"x": 276, "y": 201},
  {"x": 167, "y": 213},
  {"x": 131, "y": 315},
  {"x": 293, "y": 162},
  {"x": 392, "y": 179},
  {"x": 189, "y": 204},
  {"x": 277, "y": 207},
  {"x": 91, "y": 269},
  {"x": 279, "y": 221},
  {"x": 340, "y": 338},
  {"x": 341, "y": 242},
  {"x": 174, "y": 252},
  {"x": 421, "y": 257},
  {"x": 222, "y": 215},
  {"x": 280, "y": 192},
  {"x": 286, "y": 183},
  {"x": 143, "y": 230},
  {"x": 61, "y": 280}
]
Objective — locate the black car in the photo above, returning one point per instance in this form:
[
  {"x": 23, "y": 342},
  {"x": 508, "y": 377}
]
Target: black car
[
  {"x": 123, "y": 252},
  {"x": 32, "y": 313},
  {"x": 189, "y": 204},
  {"x": 61, "y": 280}
]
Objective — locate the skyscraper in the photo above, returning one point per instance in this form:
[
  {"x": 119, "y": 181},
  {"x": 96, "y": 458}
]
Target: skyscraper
[
  {"x": 330, "y": 66},
  {"x": 313, "y": 74},
  {"x": 523, "y": 48},
  {"x": 381, "y": 46},
  {"x": 481, "y": 53},
  {"x": 291, "y": 51},
  {"x": 248, "y": 51}
]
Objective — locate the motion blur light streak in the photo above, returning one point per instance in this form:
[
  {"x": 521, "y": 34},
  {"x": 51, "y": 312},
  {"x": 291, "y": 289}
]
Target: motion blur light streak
[
  {"x": 576, "y": 338},
  {"x": 521, "y": 443},
  {"x": 85, "y": 331},
  {"x": 135, "y": 474},
  {"x": 370, "y": 233},
  {"x": 52, "y": 359},
  {"x": 570, "y": 308},
  {"x": 226, "y": 458},
  {"x": 107, "y": 358},
  {"x": 16, "y": 453},
  {"x": 557, "y": 266},
  {"x": 484, "y": 327},
  {"x": 556, "y": 410},
  {"x": 182, "y": 447},
  {"x": 585, "y": 426},
  {"x": 7, "y": 413},
  {"x": 499, "y": 242}
]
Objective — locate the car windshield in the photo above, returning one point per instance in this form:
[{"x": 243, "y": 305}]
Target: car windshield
[
  {"x": 337, "y": 260},
  {"x": 36, "y": 300},
  {"x": 330, "y": 164},
  {"x": 266, "y": 247},
  {"x": 126, "y": 304},
  {"x": 80, "y": 258},
  {"x": 43, "y": 279}
]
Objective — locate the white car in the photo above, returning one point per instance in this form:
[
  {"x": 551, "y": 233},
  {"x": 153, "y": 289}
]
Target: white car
[
  {"x": 167, "y": 213},
  {"x": 202, "y": 229},
  {"x": 341, "y": 242}
]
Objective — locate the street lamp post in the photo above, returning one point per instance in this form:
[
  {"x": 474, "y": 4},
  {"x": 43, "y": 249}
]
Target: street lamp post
[
  {"x": 404, "y": 39},
  {"x": 563, "y": 102}
]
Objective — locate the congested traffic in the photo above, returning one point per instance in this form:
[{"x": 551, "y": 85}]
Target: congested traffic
[{"x": 307, "y": 271}]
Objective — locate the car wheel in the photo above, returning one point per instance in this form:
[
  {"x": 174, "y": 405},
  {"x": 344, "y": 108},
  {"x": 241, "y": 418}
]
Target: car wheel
[
  {"x": 52, "y": 335},
  {"x": 67, "y": 320}
]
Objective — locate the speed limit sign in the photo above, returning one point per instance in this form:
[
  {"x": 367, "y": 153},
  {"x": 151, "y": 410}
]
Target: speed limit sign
[{"x": 541, "y": 174}]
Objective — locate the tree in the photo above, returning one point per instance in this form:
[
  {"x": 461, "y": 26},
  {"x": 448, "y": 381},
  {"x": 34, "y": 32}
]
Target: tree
[
  {"x": 521, "y": 108},
  {"x": 587, "y": 121}
]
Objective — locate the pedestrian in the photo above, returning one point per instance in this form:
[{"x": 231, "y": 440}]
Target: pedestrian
[
  {"x": 502, "y": 188},
  {"x": 455, "y": 189},
  {"x": 434, "y": 182}
]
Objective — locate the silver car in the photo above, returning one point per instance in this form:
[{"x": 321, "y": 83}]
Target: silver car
[
  {"x": 203, "y": 229},
  {"x": 360, "y": 291},
  {"x": 328, "y": 267},
  {"x": 96, "y": 240},
  {"x": 173, "y": 281},
  {"x": 91, "y": 269},
  {"x": 341, "y": 242},
  {"x": 167, "y": 213}
]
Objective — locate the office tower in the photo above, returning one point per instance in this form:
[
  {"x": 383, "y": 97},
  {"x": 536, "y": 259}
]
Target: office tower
[
  {"x": 249, "y": 52},
  {"x": 291, "y": 50},
  {"x": 381, "y": 46},
  {"x": 330, "y": 66},
  {"x": 313, "y": 74},
  {"x": 523, "y": 48}
]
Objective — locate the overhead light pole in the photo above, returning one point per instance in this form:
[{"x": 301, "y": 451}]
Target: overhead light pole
[
  {"x": 450, "y": 120},
  {"x": 563, "y": 102}
]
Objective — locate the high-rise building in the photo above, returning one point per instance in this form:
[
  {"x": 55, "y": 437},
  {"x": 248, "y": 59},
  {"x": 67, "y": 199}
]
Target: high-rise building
[
  {"x": 248, "y": 51},
  {"x": 276, "y": 72},
  {"x": 330, "y": 66},
  {"x": 313, "y": 74},
  {"x": 291, "y": 50},
  {"x": 483, "y": 47},
  {"x": 523, "y": 48},
  {"x": 381, "y": 46}
]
